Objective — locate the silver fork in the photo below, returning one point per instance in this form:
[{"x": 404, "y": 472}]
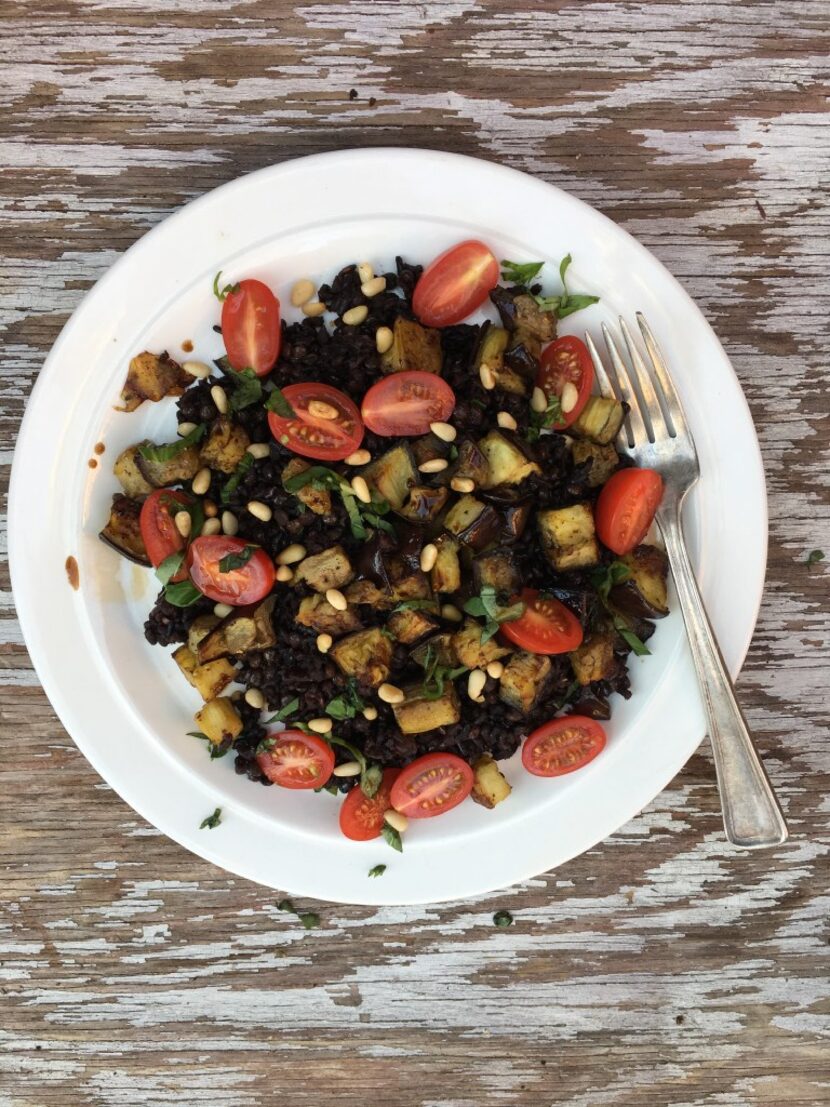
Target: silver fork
[{"x": 658, "y": 437}]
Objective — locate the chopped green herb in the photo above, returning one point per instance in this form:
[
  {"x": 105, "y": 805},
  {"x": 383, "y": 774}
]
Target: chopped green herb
[
  {"x": 815, "y": 556},
  {"x": 232, "y": 561},
  {"x": 286, "y": 905},
  {"x": 168, "y": 450},
  {"x": 285, "y": 712},
  {"x": 182, "y": 594},
  {"x": 222, "y": 294},
  {"x": 520, "y": 272},
  {"x": 170, "y": 566},
  {"x": 603, "y": 581},
  {"x": 360, "y": 515},
  {"x": 212, "y": 821},
  {"x": 377, "y": 870},
  {"x": 370, "y": 775},
  {"x": 415, "y": 605},
  {"x": 544, "y": 420},
  {"x": 502, "y": 919},
  {"x": 392, "y": 837},
  {"x": 638, "y": 646},
  {"x": 453, "y": 452},
  {"x": 568, "y": 302},
  {"x": 347, "y": 705},
  {"x": 277, "y": 403},
  {"x": 235, "y": 479},
  {"x": 486, "y": 604},
  {"x": 437, "y": 675},
  {"x": 247, "y": 388},
  {"x": 309, "y": 919},
  {"x": 215, "y": 749}
]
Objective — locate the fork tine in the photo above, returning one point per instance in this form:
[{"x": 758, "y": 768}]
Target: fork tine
[
  {"x": 606, "y": 388},
  {"x": 661, "y": 372},
  {"x": 652, "y": 404},
  {"x": 637, "y": 428}
]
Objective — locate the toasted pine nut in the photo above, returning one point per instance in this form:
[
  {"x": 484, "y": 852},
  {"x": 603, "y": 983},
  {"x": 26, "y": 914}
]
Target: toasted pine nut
[
  {"x": 429, "y": 555},
  {"x": 197, "y": 369},
  {"x": 255, "y": 698},
  {"x": 259, "y": 450},
  {"x": 355, "y": 315},
  {"x": 365, "y": 271},
  {"x": 445, "y": 431},
  {"x": 361, "y": 489},
  {"x": 390, "y": 694},
  {"x": 324, "y": 642},
  {"x": 495, "y": 670},
  {"x": 487, "y": 377},
  {"x": 201, "y": 482},
  {"x": 373, "y": 287},
  {"x": 320, "y": 726},
  {"x": 313, "y": 309},
  {"x": 359, "y": 457},
  {"x": 396, "y": 820},
  {"x": 291, "y": 554},
  {"x": 348, "y": 768},
  {"x": 183, "y": 523},
  {"x": 538, "y": 400},
  {"x": 284, "y": 574},
  {"x": 321, "y": 410},
  {"x": 210, "y": 509},
  {"x": 302, "y": 292},
  {"x": 370, "y": 712},
  {"x": 450, "y": 611},
  {"x": 383, "y": 339},
  {"x": 183, "y": 429},
  {"x": 259, "y": 510},
  {"x": 220, "y": 398},
  {"x": 211, "y": 526},
  {"x": 337, "y": 600},
  {"x": 506, "y": 421},
  {"x": 220, "y": 610},
  {"x": 462, "y": 484},
  {"x": 569, "y": 397},
  {"x": 230, "y": 523},
  {"x": 434, "y": 465},
  {"x": 475, "y": 685}
]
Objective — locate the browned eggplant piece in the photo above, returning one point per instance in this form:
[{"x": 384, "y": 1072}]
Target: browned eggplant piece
[
  {"x": 470, "y": 463},
  {"x": 330, "y": 568},
  {"x": 525, "y": 681},
  {"x": 225, "y": 446},
  {"x": 417, "y": 715},
  {"x": 209, "y": 679},
  {"x": 473, "y": 523},
  {"x": 413, "y": 347},
  {"x": 439, "y": 647},
  {"x": 490, "y": 784},
  {"x": 123, "y": 532},
  {"x": 392, "y": 475},
  {"x": 219, "y": 720},
  {"x": 594, "y": 659},
  {"x": 411, "y": 586},
  {"x": 522, "y": 356},
  {"x": 511, "y": 372},
  {"x": 317, "y": 500},
  {"x": 600, "y": 420},
  {"x": 644, "y": 593},
  {"x": 367, "y": 592},
  {"x": 152, "y": 377},
  {"x": 593, "y": 704},
  {"x": 245, "y": 629},
  {"x": 424, "y": 504},
  {"x": 409, "y": 625},
  {"x": 519, "y": 311},
  {"x": 509, "y": 459},
  {"x": 128, "y": 474},
  {"x": 600, "y": 461},
  {"x": 583, "y": 602},
  {"x": 445, "y": 575},
  {"x": 316, "y": 612},
  {"x": 568, "y": 536},
  {"x": 366, "y": 656},
  {"x": 496, "y": 569},
  {"x": 516, "y": 518},
  {"x": 183, "y": 467},
  {"x": 471, "y": 651},
  {"x": 427, "y": 447}
]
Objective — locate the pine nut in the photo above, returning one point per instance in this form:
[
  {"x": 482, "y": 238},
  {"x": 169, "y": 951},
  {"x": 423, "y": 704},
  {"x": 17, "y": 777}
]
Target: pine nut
[
  {"x": 450, "y": 611},
  {"x": 506, "y": 421},
  {"x": 462, "y": 484},
  {"x": 255, "y": 698},
  {"x": 569, "y": 397},
  {"x": 337, "y": 600},
  {"x": 539, "y": 401},
  {"x": 390, "y": 694},
  {"x": 383, "y": 339},
  {"x": 370, "y": 713},
  {"x": 291, "y": 554},
  {"x": 259, "y": 450},
  {"x": 259, "y": 510},
  {"x": 320, "y": 726},
  {"x": 183, "y": 523},
  {"x": 324, "y": 642},
  {"x": 315, "y": 308},
  {"x": 184, "y": 429},
  {"x": 361, "y": 490},
  {"x": 396, "y": 820},
  {"x": 211, "y": 526},
  {"x": 445, "y": 431},
  {"x": 434, "y": 465},
  {"x": 230, "y": 523},
  {"x": 487, "y": 377},
  {"x": 210, "y": 509},
  {"x": 197, "y": 369},
  {"x": 373, "y": 287},
  {"x": 302, "y": 292},
  {"x": 321, "y": 410},
  {"x": 201, "y": 482},
  {"x": 220, "y": 398},
  {"x": 475, "y": 685},
  {"x": 348, "y": 768},
  {"x": 355, "y": 315},
  {"x": 429, "y": 555},
  {"x": 495, "y": 670},
  {"x": 284, "y": 574},
  {"x": 220, "y": 610},
  {"x": 365, "y": 271},
  {"x": 359, "y": 457}
]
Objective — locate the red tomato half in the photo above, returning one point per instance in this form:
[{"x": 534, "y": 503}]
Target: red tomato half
[
  {"x": 297, "y": 760},
  {"x": 432, "y": 785},
  {"x": 567, "y": 361},
  {"x": 328, "y": 425},
  {"x": 562, "y": 745},
  {"x": 547, "y": 626},
  {"x": 626, "y": 507},
  {"x": 455, "y": 284},
  {"x": 158, "y": 531},
  {"x": 361, "y": 818},
  {"x": 246, "y": 584},
  {"x": 251, "y": 327},
  {"x": 406, "y": 403}
]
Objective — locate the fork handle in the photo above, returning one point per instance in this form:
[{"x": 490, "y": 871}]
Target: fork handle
[{"x": 751, "y": 814}]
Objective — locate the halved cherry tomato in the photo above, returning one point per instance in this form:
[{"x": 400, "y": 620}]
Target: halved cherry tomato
[
  {"x": 297, "y": 760},
  {"x": 406, "y": 403},
  {"x": 567, "y": 361},
  {"x": 432, "y": 785},
  {"x": 158, "y": 531},
  {"x": 328, "y": 425},
  {"x": 251, "y": 327},
  {"x": 455, "y": 284},
  {"x": 547, "y": 626},
  {"x": 626, "y": 507},
  {"x": 361, "y": 818},
  {"x": 245, "y": 584},
  {"x": 562, "y": 745}
]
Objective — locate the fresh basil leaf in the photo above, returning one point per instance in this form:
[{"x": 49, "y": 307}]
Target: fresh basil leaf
[
  {"x": 576, "y": 302},
  {"x": 222, "y": 294},
  {"x": 605, "y": 579},
  {"x": 236, "y": 478},
  {"x": 232, "y": 561},
  {"x": 309, "y": 919},
  {"x": 267, "y": 743},
  {"x": 638, "y": 647},
  {"x": 549, "y": 303},
  {"x": 277, "y": 403},
  {"x": 378, "y": 523},
  {"x": 544, "y": 420},
  {"x": 392, "y": 837},
  {"x": 183, "y": 594},
  {"x": 197, "y": 734},
  {"x": 377, "y": 870},
  {"x": 170, "y": 566},
  {"x": 502, "y": 919},
  {"x": 286, "y": 905},
  {"x": 318, "y": 474},
  {"x": 520, "y": 272},
  {"x": 211, "y": 821},
  {"x": 475, "y": 606},
  {"x": 370, "y": 780},
  {"x": 356, "y": 754},
  {"x": 247, "y": 389},
  {"x": 814, "y": 556},
  {"x": 168, "y": 450},
  {"x": 563, "y": 269},
  {"x": 346, "y": 705},
  {"x": 414, "y": 605}
]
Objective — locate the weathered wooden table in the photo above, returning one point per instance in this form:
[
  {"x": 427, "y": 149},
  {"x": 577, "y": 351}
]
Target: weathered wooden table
[{"x": 661, "y": 968}]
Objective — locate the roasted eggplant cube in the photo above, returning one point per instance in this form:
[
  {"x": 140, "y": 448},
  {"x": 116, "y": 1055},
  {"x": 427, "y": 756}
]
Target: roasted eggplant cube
[
  {"x": 245, "y": 629},
  {"x": 489, "y": 783},
  {"x": 600, "y": 420},
  {"x": 519, "y": 311},
  {"x": 123, "y": 532},
  {"x": 366, "y": 592},
  {"x": 410, "y": 626},
  {"x": 219, "y": 720},
  {"x": 128, "y": 474},
  {"x": 316, "y": 612},
  {"x": 516, "y": 517},
  {"x": 417, "y": 715},
  {"x": 491, "y": 347},
  {"x": 413, "y": 347},
  {"x": 473, "y": 523},
  {"x": 601, "y": 461},
  {"x": 152, "y": 377},
  {"x": 184, "y": 466},
  {"x": 445, "y": 575},
  {"x": 366, "y": 656},
  {"x": 317, "y": 500},
  {"x": 470, "y": 650},
  {"x": 594, "y": 660},
  {"x": 644, "y": 594},
  {"x": 329, "y": 569},
  {"x": 438, "y": 648},
  {"x": 199, "y": 629},
  {"x": 392, "y": 476},
  {"x": 209, "y": 680},
  {"x": 568, "y": 537},
  {"x": 507, "y": 461},
  {"x": 496, "y": 569},
  {"x": 470, "y": 463},
  {"x": 225, "y": 446},
  {"x": 424, "y": 504},
  {"x": 525, "y": 681}
]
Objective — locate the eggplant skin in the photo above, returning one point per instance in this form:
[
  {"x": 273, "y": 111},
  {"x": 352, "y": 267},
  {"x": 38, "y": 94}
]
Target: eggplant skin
[
  {"x": 152, "y": 377},
  {"x": 123, "y": 531},
  {"x": 645, "y": 593}
]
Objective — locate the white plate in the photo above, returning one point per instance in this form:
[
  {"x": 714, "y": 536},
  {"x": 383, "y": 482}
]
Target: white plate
[{"x": 124, "y": 702}]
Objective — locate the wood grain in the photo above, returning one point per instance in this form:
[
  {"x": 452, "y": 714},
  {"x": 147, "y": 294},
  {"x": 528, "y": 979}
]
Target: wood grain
[{"x": 662, "y": 968}]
